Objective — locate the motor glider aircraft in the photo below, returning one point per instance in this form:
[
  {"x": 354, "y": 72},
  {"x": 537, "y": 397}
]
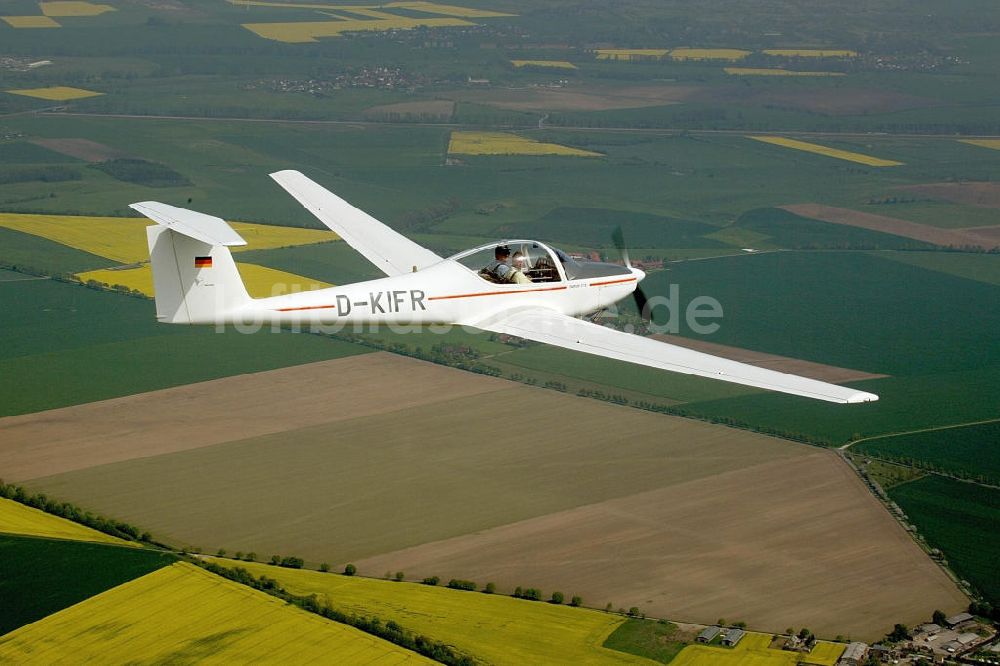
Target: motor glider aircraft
[{"x": 196, "y": 282}]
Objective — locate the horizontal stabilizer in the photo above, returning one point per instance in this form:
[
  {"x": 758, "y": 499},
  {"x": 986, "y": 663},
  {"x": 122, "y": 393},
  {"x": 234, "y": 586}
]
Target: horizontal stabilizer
[{"x": 205, "y": 228}]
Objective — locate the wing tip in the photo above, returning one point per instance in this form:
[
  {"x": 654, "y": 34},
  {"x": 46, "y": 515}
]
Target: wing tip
[{"x": 862, "y": 397}]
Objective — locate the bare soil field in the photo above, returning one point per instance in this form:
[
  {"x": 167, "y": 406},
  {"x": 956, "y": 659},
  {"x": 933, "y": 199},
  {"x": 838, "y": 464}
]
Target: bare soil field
[
  {"x": 792, "y": 542},
  {"x": 825, "y": 373},
  {"x": 891, "y": 225},
  {"x": 984, "y": 195},
  {"x": 398, "y": 464},
  {"x": 223, "y": 410},
  {"x": 83, "y": 149},
  {"x": 441, "y": 109},
  {"x": 401, "y": 476},
  {"x": 580, "y": 98}
]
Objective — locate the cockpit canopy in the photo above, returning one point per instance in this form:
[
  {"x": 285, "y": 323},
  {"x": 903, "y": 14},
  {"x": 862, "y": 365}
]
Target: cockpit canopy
[{"x": 539, "y": 262}]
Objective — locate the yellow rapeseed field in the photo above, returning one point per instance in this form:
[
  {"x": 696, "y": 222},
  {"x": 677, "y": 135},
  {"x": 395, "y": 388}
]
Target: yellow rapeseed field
[
  {"x": 753, "y": 650},
  {"x": 73, "y": 8},
  {"x": 447, "y": 10},
  {"x": 760, "y": 71},
  {"x": 16, "y": 518},
  {"x": 630, "y": 54},
  {"x": 985, "y": 143},
  {"x": 30, "y": 22},
  {"x": 496, "y": 628},
  {"x": 308, "y": 31},
  {"x": 823, "y": 150},
  {"x": 556, "y": 64},
  {"x": 183, "y": 614},
  {"x": 708, "y": 54},
  {"x": 124, "y": 238},
  {"x": 812, "y": 53},
  {"x": 260, "y": 281},
  {"x": 505, "y": 143},
  {"x": 56, "y": 93}
]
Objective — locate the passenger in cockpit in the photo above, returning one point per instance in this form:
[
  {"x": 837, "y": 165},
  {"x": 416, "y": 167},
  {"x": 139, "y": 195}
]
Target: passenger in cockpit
[
  {"x": 520, "y": 263},
  {"x": 499, "y": 270}
]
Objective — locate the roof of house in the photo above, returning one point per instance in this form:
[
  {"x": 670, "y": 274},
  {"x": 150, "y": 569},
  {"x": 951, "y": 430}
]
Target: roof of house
[{"x": 855, "y": 651}]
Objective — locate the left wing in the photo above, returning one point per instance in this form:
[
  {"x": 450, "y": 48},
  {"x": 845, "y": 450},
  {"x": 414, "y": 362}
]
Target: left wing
[
  {"x": 550, "y": 327},
  {"x": 389, "y": 250}
]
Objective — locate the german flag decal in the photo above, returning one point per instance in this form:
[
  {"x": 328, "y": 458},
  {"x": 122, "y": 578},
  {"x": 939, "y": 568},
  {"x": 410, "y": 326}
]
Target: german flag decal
[{"x": 203, "y": 262}]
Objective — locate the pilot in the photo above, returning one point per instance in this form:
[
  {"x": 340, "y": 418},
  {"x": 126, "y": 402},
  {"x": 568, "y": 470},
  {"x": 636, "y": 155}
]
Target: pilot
[
  {"x": 519, "y": 262},
  {"x": 499, "y": 270}
]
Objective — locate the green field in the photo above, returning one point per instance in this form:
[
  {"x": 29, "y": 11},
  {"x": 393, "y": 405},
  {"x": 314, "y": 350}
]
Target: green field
[
  {"x": 963, "y": 520},
  {"x": 646, "y": 638},
  {"x": 970, "y": 451},
  {"x": 63, "y": 344},
  {"x": 41, "y": 576}
]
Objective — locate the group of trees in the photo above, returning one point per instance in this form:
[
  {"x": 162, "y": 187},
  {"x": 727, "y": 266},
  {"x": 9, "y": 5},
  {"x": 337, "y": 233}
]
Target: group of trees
[{"x": 74, "y": 513}]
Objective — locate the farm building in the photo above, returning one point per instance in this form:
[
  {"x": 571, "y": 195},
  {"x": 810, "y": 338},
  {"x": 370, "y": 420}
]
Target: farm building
[
  {"x": 929, "y": 628},
  {"x": 708, "y": 634},
  {"x": 956, "y": 620},
  {"x": 732, "y": 637},
  {"x": 854, "y": 655}
]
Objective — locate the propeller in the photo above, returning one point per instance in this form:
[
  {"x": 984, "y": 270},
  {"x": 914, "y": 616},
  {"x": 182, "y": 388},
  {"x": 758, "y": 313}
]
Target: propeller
[{"x": 618, "y": 237}]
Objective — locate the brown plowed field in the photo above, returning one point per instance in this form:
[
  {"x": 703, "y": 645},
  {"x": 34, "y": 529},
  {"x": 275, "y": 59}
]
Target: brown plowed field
[
  {"x": 82, "y": 149},
  {"x": 824, "y": 373},
  {"x": 783, "y": 543},
  {"x": 892, "y": 225},
  {"x": 398, "y": 464},
  {"x": 580, "y": 98},
  {"x": 223, "y": 410}
]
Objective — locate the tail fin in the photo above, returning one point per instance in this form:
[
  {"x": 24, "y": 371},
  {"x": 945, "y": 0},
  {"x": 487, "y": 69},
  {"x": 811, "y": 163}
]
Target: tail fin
[{"x": 194, "y": 276}]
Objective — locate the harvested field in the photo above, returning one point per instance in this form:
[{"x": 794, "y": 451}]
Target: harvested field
[
  {"x": 83, "y": 149},
  {"x": 580, "y": 98},
  {"x": 505, "y": 143},
  {"x": 811, "y": 53},
  {"x": 147, "y": 424},
  {"x": 984, "y": 237},
  {"x": 985, "y": 143},
  {"x": 30, "y": 22},
  {"x": 56, "y": 93},
  {"x": 762, "y": 71},
  {"x": 686, "y": 53},
  {"x": 124, "y": 238},
  {"x": 825, "y": 373},
  {"x": 446, "y": 10},
  {"x": 983, "y": 195},
  {"x": 260, "y": 281},
  {"x": 183, "y": 614},
  {"x": 309, "y": 31},
  {"x": 553, "y": 64},
  {"x": 73, "y": 8},
  {"x": 764, "y": 543},
  {"x": 805, "y": 146}
]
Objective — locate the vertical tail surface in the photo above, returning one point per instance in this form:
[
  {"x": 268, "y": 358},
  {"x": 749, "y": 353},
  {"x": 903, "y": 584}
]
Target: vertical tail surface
[{"x": 194, "y": 276}]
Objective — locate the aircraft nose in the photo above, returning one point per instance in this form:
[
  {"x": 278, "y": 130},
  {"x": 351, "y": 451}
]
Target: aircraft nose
[{"x": 638, "y": 273}]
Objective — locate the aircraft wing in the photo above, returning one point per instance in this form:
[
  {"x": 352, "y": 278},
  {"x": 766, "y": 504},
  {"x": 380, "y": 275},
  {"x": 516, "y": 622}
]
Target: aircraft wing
[
  {"x": 389, "y": 250},
  {"x": 550, "y": 327}
]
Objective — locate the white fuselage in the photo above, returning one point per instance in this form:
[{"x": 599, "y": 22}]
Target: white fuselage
[{"x": 445, "y": 293}]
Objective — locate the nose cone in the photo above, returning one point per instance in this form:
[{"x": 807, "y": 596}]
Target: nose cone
[{"x": 638, "y": 273}]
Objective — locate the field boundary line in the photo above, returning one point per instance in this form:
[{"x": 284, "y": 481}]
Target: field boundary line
[{"x": 848, "y": 445}]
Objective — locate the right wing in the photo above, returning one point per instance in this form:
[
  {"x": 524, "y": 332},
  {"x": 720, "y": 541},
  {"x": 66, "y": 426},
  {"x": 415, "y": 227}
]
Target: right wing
[
  {"x": 389, "y": 250},
  {"x": 550, "y": 327}
]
